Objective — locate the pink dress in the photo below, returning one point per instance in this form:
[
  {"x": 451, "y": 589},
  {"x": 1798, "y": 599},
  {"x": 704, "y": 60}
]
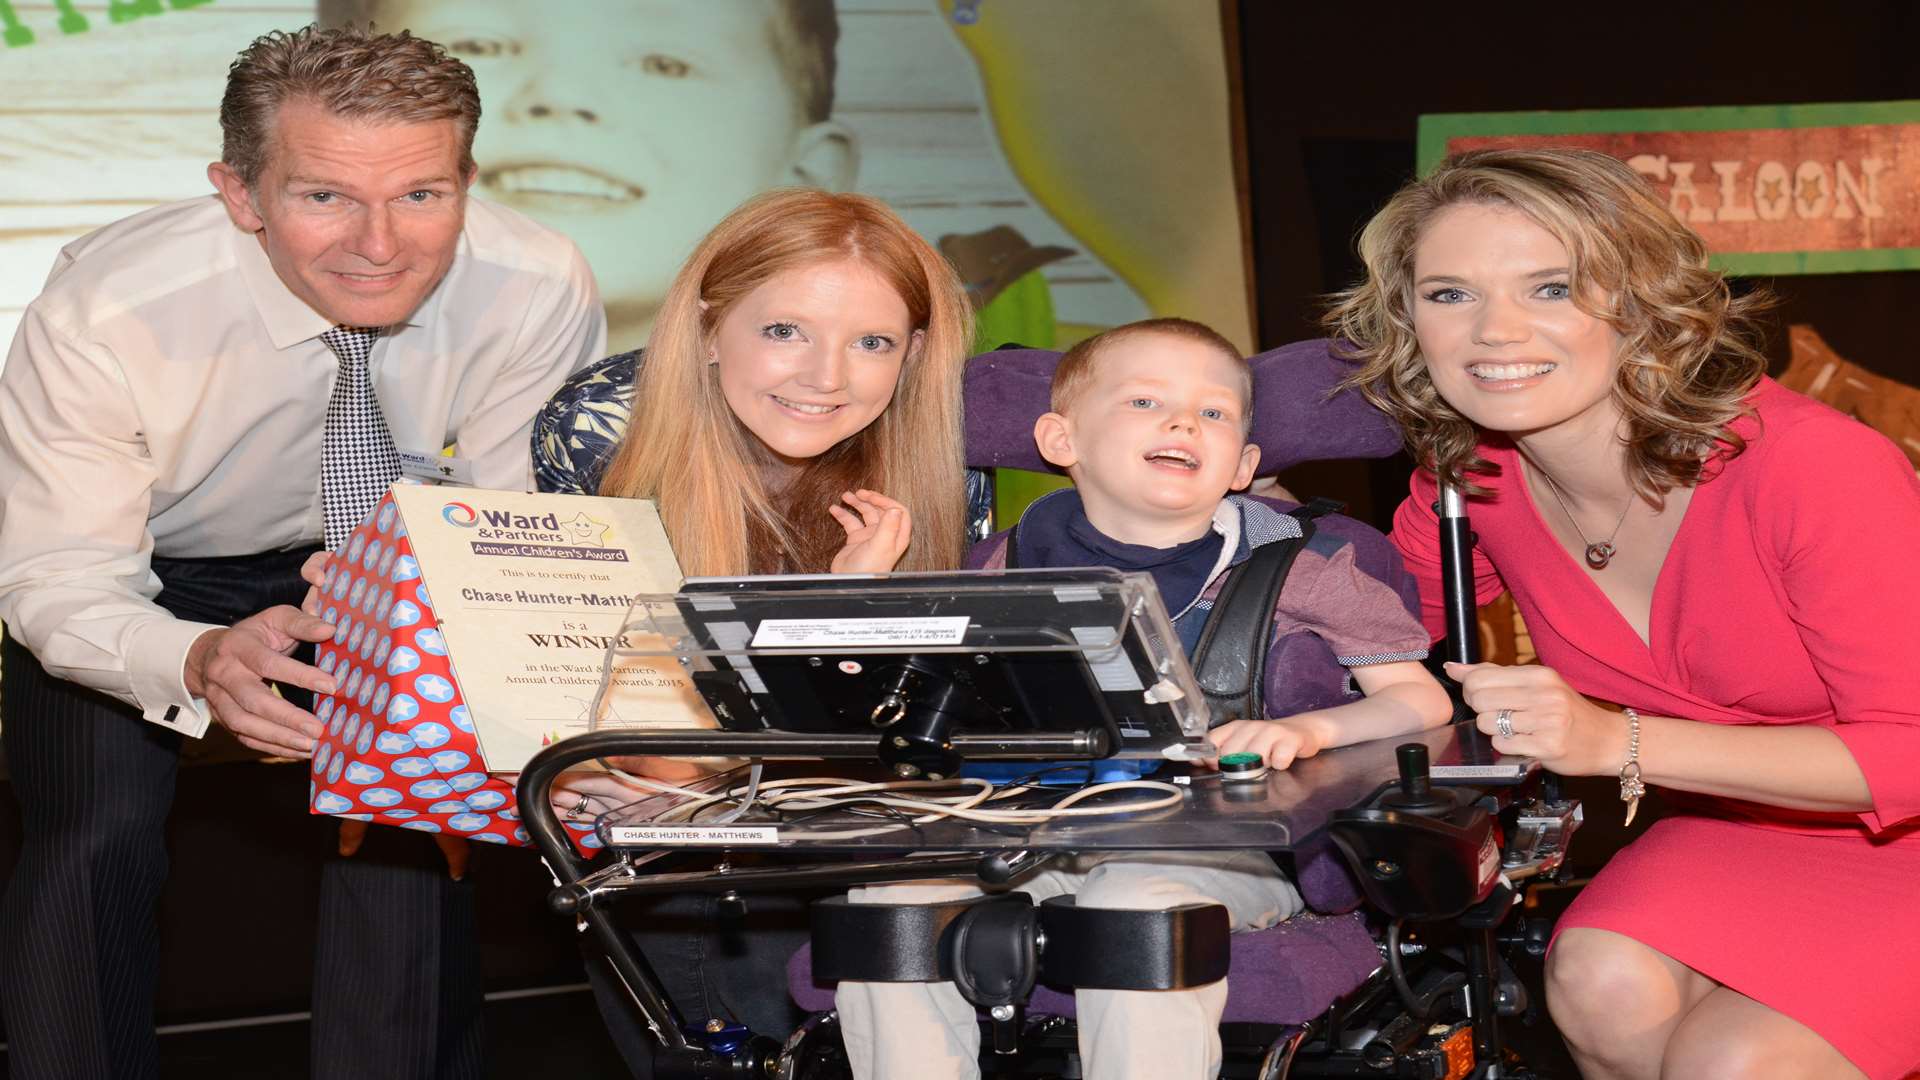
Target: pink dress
[{"x": 1791, "y": 596}]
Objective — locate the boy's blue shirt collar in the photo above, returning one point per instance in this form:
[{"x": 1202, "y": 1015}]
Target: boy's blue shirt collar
[{"x": 1049, "y": 516}]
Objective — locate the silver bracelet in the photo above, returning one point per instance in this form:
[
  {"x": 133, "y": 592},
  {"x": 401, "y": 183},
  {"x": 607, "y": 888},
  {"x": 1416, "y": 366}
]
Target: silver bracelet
[{"x": 1631, "y": 786}]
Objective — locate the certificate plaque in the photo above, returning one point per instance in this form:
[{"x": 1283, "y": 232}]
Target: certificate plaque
[{"x": 472, "y": 628}]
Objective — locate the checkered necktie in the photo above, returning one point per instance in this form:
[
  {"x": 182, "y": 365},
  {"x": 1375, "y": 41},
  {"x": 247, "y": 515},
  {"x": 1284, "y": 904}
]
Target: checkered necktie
[{"x": 357, "y": 457}]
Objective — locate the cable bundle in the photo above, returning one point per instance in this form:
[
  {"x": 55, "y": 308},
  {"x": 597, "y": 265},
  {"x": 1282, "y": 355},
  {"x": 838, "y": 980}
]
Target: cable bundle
[{"x": 972, "y": 800}]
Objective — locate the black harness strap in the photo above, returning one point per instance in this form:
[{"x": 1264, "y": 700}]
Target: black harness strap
[{"x": 1230, "y": 661}]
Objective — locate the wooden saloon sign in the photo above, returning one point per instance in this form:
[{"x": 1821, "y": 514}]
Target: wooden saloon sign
[{"x": 1786, "y": 189}]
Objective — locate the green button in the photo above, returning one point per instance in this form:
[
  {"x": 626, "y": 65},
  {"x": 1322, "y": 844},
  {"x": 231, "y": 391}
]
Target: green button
[{"x": 1242, "y": 758}]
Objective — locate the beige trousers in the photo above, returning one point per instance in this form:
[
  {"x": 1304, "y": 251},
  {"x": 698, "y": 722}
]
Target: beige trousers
[{"x": 927, "y": 1031}]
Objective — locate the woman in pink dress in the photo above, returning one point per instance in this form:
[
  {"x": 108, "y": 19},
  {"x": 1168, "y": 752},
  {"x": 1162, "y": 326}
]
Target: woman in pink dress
[{"x": 1731, "y": 562}]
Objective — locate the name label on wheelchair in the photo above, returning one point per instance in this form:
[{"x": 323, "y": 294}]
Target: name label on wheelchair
[
  {"x": 824, "y": 633},
  {"x": 693, "y": 835}
]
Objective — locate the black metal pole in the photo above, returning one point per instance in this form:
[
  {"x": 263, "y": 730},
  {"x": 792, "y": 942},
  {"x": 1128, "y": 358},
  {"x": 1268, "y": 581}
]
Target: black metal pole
[
  {"x": 1456, "y": 578},
  {"x": 631, "y": 965},
  {"x": 1483, "y": 991}
]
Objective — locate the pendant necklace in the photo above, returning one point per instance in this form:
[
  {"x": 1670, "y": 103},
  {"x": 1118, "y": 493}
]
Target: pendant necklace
[{"x": 1599, "y": 552}]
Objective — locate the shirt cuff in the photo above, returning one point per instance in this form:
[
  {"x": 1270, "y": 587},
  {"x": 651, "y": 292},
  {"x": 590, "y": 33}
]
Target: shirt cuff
[{"x": 156, "y": 673}]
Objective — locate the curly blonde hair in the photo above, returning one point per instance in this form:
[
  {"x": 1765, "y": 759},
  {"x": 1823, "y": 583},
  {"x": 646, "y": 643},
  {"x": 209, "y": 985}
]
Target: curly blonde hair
[
  {"x": 686, "y": 449},
  {"x": 1690, "y": 348}
]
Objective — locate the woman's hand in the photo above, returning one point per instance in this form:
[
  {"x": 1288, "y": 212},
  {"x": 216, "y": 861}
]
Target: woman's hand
[
  {"x": 1551, "y": 721},
  {"x": 585, "y": 794},
  {"x": 664, "y": 769},
  {"x": 1278, "y": 742},
  {"x": 878, "y": 531}
]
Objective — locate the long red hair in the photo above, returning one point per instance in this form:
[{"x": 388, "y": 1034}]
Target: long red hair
[{"x": 686, "y": 450}]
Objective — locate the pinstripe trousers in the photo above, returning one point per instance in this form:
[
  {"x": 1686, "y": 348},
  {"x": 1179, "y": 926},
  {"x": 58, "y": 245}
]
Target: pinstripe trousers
[{"x": 79, "y": 938}]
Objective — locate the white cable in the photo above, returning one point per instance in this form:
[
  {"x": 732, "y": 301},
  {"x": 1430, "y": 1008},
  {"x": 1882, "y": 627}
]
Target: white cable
[
  {"x": 848, "y": 793},
  {"x": 827, "y": 793},
  {"x": 1171, "y": 795},
  {"x": 746, "y": 801}
]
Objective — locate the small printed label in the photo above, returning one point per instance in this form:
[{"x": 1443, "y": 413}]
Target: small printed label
[
  {"x": 1489, "y": 861},
  {"x": 694, "y": 835},
  {"x": 1509, "y": 771},
  {"x": 826, "y": 633},
  {"x": 1112, "y": 669},
  {"x": 436, "y": 468}
]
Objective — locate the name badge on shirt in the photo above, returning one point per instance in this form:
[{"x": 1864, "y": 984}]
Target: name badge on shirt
[{"x": 436, "y": 468}]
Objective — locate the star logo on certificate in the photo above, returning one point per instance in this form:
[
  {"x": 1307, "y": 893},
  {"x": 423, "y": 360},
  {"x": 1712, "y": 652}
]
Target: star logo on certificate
[{"x": 585, "y": 531}]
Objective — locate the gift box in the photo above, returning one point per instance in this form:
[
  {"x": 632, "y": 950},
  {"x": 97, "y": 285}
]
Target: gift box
[{"x": 402, "y": 743}]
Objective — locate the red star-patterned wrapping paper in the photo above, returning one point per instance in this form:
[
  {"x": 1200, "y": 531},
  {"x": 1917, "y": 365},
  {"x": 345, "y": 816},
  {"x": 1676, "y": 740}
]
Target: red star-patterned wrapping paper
[{"x": 399, "y": 746}]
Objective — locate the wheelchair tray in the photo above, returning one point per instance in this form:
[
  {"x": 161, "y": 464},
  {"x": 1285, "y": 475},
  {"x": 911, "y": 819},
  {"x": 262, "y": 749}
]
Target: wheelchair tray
[{"x": 1275, "y": 813}]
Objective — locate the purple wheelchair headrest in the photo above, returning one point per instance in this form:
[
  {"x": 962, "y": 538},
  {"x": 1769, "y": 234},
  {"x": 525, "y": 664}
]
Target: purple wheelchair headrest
[{"x": 1294, "y": 418}]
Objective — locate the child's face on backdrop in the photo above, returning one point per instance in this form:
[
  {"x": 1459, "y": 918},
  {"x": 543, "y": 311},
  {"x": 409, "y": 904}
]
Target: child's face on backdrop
[
  {"x": 1158, "y": 432},
  {"x": 633, "y": 126}
]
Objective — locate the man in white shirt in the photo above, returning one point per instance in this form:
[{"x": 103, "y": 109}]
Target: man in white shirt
[{"x": 167, "y": 411}]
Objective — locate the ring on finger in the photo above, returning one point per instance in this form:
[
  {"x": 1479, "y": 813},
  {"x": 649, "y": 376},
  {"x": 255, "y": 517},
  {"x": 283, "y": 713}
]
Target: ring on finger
[
  {"x": 1503, "y": 723},
  {"x": 578, "y": 808}
]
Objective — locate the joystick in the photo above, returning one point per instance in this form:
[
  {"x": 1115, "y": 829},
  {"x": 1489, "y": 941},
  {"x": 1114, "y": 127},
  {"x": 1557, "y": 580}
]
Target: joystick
[{"x": 1416, "y": 793}]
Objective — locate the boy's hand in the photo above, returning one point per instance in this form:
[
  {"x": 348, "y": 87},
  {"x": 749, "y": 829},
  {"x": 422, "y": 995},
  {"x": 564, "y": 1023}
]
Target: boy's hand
[
  {"x": 1279, "y": 742},
  {"x": 878, "y": 531}
]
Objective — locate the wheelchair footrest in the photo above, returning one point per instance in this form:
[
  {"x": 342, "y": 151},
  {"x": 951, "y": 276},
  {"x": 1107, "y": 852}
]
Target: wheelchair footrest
[
  {"x": 881, "y": 942},
  {"x": 994, "y": 947},
  {"x": 1115, "y": 949}
]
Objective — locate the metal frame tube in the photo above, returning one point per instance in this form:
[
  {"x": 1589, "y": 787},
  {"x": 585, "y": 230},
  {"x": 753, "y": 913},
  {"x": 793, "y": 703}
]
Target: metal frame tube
[{"x": 536, "y": 811}]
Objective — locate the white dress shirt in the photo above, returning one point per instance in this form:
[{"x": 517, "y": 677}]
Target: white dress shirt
[{"x": 166, "y": 394}]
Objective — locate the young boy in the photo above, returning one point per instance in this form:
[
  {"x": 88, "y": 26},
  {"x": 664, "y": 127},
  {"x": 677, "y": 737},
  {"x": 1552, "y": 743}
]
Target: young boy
[{"x": 1150, "y": 421}]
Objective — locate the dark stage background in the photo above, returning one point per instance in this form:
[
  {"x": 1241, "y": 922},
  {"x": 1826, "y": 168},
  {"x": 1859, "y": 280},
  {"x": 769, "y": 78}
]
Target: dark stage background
[{"x": 1332, "y": 96}]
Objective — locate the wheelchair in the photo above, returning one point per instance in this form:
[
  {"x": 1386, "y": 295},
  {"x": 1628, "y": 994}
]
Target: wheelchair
[
  {"x": 1347, "y": 989},
  {"x": 1398, "y": 969}
]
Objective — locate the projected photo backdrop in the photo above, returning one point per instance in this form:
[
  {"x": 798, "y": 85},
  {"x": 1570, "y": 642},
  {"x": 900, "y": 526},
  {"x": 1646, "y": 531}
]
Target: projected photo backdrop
[{"x": 1072, "y": 161}]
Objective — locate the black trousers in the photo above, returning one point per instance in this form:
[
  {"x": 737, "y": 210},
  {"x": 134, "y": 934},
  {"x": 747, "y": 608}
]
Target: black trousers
[
  {"x": 396, "y": 986},
  {"x": 711, "y": 964}
]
